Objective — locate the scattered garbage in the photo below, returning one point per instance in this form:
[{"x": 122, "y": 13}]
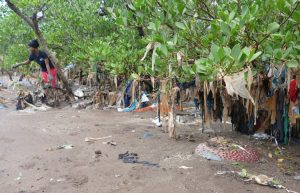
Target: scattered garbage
[
  {"x": 187, "y": 119},
  {"x": 261, "y": 136},
  {"x": 92, "y": 140},
  {"x": 61, "y": 179},
  {"x": 185, "y": 167},
  {"x": 79, "y": 93},
  {"x": 152, "y": 108},
  {"x": 157, "y": 122},
  {"x": 258, "y": 179},
  {"x": 83, "y": 104},
  {"x": 98, "y": 153},
  {"x": 33, "y": 109},
  {"x": 147, "y": 135},
  {"x": 179, "y": 157},
  {"x": 25, "y": 99},
  {"x": 297, "y": 177},
  {"x": 112, "y": 143},
  {"x": 129, "y": 157},
  {"x": 144, "y": 98},
  {"x": 2, "y": 106},
  {"x": 129, "y": 109},
  {"x": 66, "y": 146},
  {"x": 134, "y": 159},
  {"x": 204, "y": 152},
  {"x": 280, "y": 160},
  {"x": 19, "y": 177},
  {"x": 219, "y": 148}
]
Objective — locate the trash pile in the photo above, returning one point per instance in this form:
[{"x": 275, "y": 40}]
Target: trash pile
[
  {"x": 219, "y": 148},
  {"x": 260, "y": 179}
]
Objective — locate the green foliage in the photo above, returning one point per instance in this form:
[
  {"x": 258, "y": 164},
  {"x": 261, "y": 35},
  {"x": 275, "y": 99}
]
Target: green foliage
[{"x": 222, "y": 37}]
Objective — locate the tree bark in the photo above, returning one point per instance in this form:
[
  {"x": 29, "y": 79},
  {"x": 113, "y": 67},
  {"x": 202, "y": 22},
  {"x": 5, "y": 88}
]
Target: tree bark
[{"x": 33, "y": 23}]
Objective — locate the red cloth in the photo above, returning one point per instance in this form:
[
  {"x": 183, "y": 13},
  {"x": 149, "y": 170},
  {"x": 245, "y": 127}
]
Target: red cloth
[
  {"x": 44, "y": 76},
  {"x": 293, "y": 92}
]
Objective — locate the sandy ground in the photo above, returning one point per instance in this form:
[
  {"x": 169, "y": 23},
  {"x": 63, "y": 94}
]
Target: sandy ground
[{"x": 27, "y": 167}]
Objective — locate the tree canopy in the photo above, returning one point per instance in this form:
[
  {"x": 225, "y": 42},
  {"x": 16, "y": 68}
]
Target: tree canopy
[{"x": 148, "y": 37}]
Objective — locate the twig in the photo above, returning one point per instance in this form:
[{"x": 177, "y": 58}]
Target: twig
[
  {"x": 19, "y": 13},
  {"x": 206, "y": 9}
]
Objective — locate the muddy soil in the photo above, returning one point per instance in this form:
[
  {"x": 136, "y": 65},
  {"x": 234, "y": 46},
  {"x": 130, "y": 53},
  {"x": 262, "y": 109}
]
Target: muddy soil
[{"x": 30, "y": 162}]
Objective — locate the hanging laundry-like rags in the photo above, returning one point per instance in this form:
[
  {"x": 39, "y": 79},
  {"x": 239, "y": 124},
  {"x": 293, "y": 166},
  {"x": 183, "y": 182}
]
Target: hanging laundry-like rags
[{"x": 236, "y": 85}]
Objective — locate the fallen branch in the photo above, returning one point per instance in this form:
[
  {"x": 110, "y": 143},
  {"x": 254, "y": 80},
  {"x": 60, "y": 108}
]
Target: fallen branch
[{"x": 91, "y": 139}]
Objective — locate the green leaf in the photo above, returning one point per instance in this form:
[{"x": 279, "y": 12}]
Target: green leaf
[
  {"x": 246, "y": 50},
  {"x": 214, "y": 51},
  {"x": 283, "y": 6},
  {"x": 163, "y": 48},
  {"x": 235, "y": 52},
  {"x": 297, "y": 47},
  {"x": 243, "y": 58},
  {"x": 272, "y": 27},
  {"x": 180, "y": 25},
  {"x": 180, "y": 7},
  {"x": 140, "y": 69},
  {"x": 201, "y": 66},
  {"x": 296, "y": 16},
  {"x": 221, "y": 54},
  {"x": 134, "y": 76},
  {"x": 280, "y": 4},
  {"x": 225, "y": 28},
  {"x": 131, "y": 6},
  {"x": 151, "y": 25},
  {"x": 231, "y": 16},
  {"x": 292, "y": 64},
  {"x": 256, "y": 55},
  {"x": 278, "y": 54},
  {"x": 287, "y": 52},
  {"x": 227, "y": 51}
]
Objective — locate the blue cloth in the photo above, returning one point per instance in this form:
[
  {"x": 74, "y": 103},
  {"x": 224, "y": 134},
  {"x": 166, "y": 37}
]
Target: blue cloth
[
  {"x": 131, "y": 108},
  {"x": 127, "y": 95},
  {"x": 279, "y": 77}
]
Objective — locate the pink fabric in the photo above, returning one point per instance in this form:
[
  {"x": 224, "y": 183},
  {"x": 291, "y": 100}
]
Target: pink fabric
[{"x": 45, "y": 77}]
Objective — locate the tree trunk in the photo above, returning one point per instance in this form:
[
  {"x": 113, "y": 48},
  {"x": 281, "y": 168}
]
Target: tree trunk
[
  {"x": 33, "y": 23},
  {"x": 51, "y": 56}
]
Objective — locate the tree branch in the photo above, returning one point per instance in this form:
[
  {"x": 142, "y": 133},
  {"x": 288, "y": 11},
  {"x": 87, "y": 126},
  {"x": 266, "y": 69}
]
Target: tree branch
[
  {"x": 19, "y": 13},
  {"x": 206, "y": 9}
]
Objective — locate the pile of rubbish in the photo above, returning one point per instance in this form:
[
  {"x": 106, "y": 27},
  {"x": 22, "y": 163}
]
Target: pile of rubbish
[
  {"x": 260, "y": 179},
  {"x": 219, "y": 148}
]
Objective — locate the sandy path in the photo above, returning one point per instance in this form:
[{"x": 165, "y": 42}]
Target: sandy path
[{"x": 25, "y": 137}]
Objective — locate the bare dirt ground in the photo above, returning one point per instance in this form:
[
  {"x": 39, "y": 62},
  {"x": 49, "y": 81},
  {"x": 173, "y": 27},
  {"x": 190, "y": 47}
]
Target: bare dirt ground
[{"x": 27, "y": 167}]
